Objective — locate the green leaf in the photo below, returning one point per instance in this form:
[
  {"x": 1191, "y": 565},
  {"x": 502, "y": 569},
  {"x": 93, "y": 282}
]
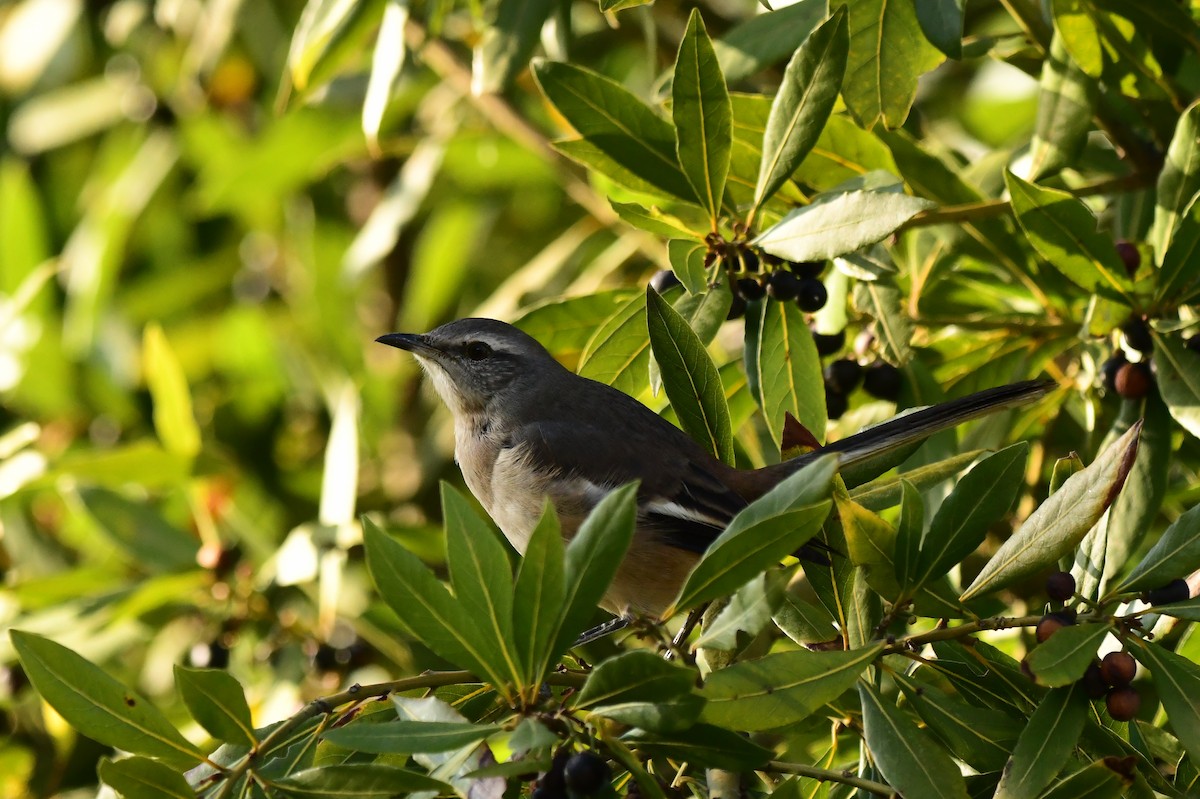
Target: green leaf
[
  {"x": 981, "y": 737},
  {"x": 687, "y": 262},
  {"x": 1179, "y": 276},
  {"x": 323, "y": 29},
  {"x": 1175, "y": 554},
  {"x": 702, "y": 115},
  {"x": 655, "y": 220},
  {"x": 870, "y": 544},
  {"x": 635, "y": 676},
  {"x": 1177, "y": 182},
  {"x": 748, "y": 612},
  {"x": 611, "y": 119},
  {"x": 784, "y": 368},
  {"x": 670, "y": 715},
  {"x": 1106, "y": 778},
  {"x": 910, "y": 528},
  {"x": 565, "y": 326},
  {"x": 759, "y": 41},
  {"x": 839, "y": 223},
  {"x": 510, "y": 34},
  {"x": 619, "y": 352},
  {"x": 427, "y": 609},
  {"x": 173, "y": 418},
  {"x": 1074, "y": 24},
  {"x": 538, "y": 597},
  {"x": 805, "y": 99},
  {"x": 1043, "y": 748},
  {"x": 1188, "y": 609},
  {"x": 386, "y": 64},
  {"x": 1061, "y": 522},
  {"x": 885, "y": 492},
  {"x": 981, "y": 497},
  {"x": 883, "y": 301},
  {"x": 593, "y": 557},
  {"x": 888, "y": 52},
  {"x": 770, "y": 528},
  {"x": 843, "y": 151},
  {"x": 217, "y": 702},
  {"x": 1178, "y": 682},
  {"x": 97, "y": 705},
  {"x": 689, "y": 377},
  {"x": 356, "y": 781},
  {"x": 713, "y": 746},
  {"x": 1065, "y": 656},
  {"x": 143, "y": 778},
  {"x": 904, "y": 755},
  {"x": 139, "y": 530},
  {"x": 1066, "y": 96},
  {"x": 1178, "y": 377},
  {"x": 1063, "y": 231},
  {"x": 942, "y": 23},
  {"x": 804, "y": 622},
  {"x": 409, "y": 737},
  {"x": 483, "y": 584},
  {"x": 781, "y": 688}
]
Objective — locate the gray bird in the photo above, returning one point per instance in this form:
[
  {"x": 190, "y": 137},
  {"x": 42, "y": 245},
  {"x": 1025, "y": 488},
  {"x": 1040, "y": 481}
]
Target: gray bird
[{"x": 527, "y": 428}]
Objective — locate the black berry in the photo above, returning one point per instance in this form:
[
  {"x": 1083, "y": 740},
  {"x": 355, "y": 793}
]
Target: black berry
[
  {"x": 1137, "y": 334},
  {"x": 1118, "y": 668},
  {"x": 811, "y": 295},
  {"x": 836, "y": 403},
  {"x": 750, "y": 261},
  {"x": 663, "y": 279},
  {"x": 1094, "y": 684},
  {"x": 1193, "y": 343},
  {"x": 1123, "y": 703},
  {"x": 1109, "y": 369},
  {"x": 1134, "y": 380},
  {"x": 1060, "y": 586},
  {"x": 843, "y": 375},
  {"x": 783, "y": 286},
  {"x": 807, "y": 269},
  {"x": 1174, "y": 591},
  {"x": 738, "y": 308},
  {"x": 882, "y": 380},
  {"x": 587, "y": 773},
  {"x": 750, "y": 289},
  {"x": 1129, "y": 256},
  {"x": 829, "y": 344}
]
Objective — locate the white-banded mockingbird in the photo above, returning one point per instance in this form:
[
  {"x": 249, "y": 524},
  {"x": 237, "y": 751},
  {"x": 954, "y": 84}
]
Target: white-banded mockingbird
[{"x": 527, "y": 428}]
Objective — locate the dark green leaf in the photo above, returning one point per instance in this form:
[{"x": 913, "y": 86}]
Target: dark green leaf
[
  {"x": 1178, "y": 181},
  {"x": 805, "y": 99},
  {"x": 784, "y": 368},
  {"x": 1062, "y": 521},
  {"x": 843, "y": 151},
  {"x": 981, "y": 497},
  {"x": 565, "y": 326},
  {"x": 1188, "y": 609},
  {"x": 687, "y": 262},
  {"x": 408, "y": 737},
  {"x": 1043, "y": 748},
  {"x": 762, "y": 40},
  {"x": 217, "y": 702},
  {"x": 538, "y": 597},
  {"x": 1064, "y": 658},
  {"x": 1063, "y": 231},
  {"x": 903, "y": 753},
  {"x": 770, "y": 528},
  {"x": 1065, "y": 99},
  {"x": 981, "y": 737},
  {"x": 910, "y": 530},
  {"x": 635, "y": 676},
  {"x": 1107, "y": 778},
  {"x": 482, "y": 580},
  {"x": 140, "y": 531},
  {"x": 804, "y": 622},
  {"x": 870, "y": 544},
  {"x": 1178, "y": 682},
  {"x": 781, "y": 688},
  {"x": 1178, "y": 377},
  {"x": 748, "y": 612},
  {"x": 702, "y": 115},
  {"x": 713, "y": 746},
  {"x": 690, "y": 378},
  {"x": 97, "y": 705},
  {"x": 1178, "y": 278},
  {"x": 357, "y": 781},
  {"x": 616, "y": 123},
  {"x": 427, "y": 609},
  {"x": 593, "y": 557},
  {"x": 509, "y": 37},
  {"x": 143, "y": 778},
  {"x": 669, "y": 715},
  {"x": 942, "y": 23}
]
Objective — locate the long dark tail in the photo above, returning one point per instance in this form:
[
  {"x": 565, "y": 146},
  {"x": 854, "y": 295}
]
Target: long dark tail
[{"x": 888, "y": 443}]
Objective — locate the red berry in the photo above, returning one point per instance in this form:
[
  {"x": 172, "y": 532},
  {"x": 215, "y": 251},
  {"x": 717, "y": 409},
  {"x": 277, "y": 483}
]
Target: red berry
[
  {"x": 1048, "y": 626},
  {"x": 1118, "y": 668},
  {"x": 1134, "y": 380},
  {"x": 1130, "y": 256},
  {"x": 1123, "y": 703},
  {"x": 1109, "y": 369}
]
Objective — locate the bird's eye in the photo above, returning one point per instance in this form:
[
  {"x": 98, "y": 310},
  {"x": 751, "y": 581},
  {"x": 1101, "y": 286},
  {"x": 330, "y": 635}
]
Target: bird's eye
[{"x": 477, "y": 350}]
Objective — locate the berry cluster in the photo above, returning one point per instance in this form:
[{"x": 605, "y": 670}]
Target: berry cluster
[
  {"x": 579, "y": 774},
  {"x": 879, "y": 379},
  {"x": 755, "y": 275}
]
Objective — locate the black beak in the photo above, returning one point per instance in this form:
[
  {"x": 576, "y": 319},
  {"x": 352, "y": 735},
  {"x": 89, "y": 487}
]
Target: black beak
[{"x": 414, "y": 343}]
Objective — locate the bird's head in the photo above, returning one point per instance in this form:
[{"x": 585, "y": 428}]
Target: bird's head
[{"x": 476, "y": 362}]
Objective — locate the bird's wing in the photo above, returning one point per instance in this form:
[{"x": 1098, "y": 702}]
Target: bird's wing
[{"x": 681, "y": 498}]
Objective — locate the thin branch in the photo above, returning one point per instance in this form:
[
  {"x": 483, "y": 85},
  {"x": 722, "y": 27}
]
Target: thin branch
[{"x": 829, "y": 775}]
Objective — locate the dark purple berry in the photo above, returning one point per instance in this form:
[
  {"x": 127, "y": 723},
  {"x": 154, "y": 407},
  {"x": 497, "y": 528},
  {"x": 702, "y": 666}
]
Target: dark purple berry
[
  {"x": 1060, "y": 586},
  {"x": 783, "y": 286},
  {"x": 829, "y": 344},
  {"x": 750, "y": 289},
  {"x": 586, "y": 773},
  {"x": 1109, "y": 369},
  {"x": 1134, "y": 380},
  {"x": 738, "y": 308},
  {"x": 1118, "y": 669},
  {"x": 811, "y": 295},
  {"x": 1137, "y": 334},
  {"x": 1130, "y": 256},
  {"x": 1093, "y": 681},
  {"x": 663, "y": 279},
  {"x": 843, "y": 375},
  {"x": 1174, "y": 591},
  {"x": 807, "y": 269},
  {"x": 883, "y": 381},
  {"x": 750, "y": 261},
  {"x": 1123, "y": 703},
  {"x": 1048, "y": 626},
  {"x": 836, "y": 403}
]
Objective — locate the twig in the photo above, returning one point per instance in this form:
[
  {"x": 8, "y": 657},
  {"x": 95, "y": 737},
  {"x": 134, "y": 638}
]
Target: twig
[{"x": 829, "y": 775}]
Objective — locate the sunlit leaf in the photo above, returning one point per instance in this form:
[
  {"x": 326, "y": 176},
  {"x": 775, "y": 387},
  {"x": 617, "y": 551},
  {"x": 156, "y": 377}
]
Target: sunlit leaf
[
  {"x": 702, "y": 115},
  {"x": 1178, "y": 181},
  {"x": 784, "y": 368},
  {"x": 1065, "y": 100},
  {"x": 217, "y": 703},
  {"x": 1178, "y": 377},
  {"x": 510, "y": 35}
]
